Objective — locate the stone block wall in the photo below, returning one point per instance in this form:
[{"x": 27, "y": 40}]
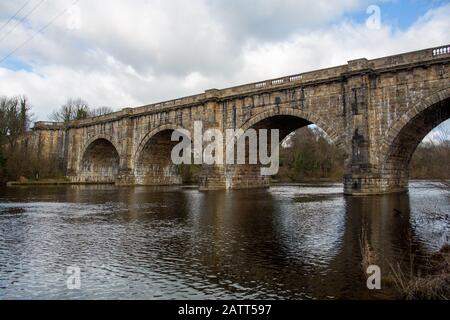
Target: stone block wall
[{"x": 376, "y": 111}]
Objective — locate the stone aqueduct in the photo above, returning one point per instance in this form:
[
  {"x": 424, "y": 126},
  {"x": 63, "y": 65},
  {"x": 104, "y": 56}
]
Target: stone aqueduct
[{"x": 376, "y": 111}]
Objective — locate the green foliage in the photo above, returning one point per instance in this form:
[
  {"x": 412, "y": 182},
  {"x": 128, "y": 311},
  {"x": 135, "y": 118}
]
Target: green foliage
[
  {"x": 15, "y": 162},
  {"x": 2, "y": 167},
  {"x": 14, "y": 118},
  {"x": 431, "y": 160},
  {"x": 81, "y": 114},
  {"x": 309, "y": 156},
  {"x": 190, "y": 173},
  {"x": 14, "y": 123}
]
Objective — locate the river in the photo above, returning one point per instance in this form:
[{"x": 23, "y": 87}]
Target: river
[{"x": 287, "y": 242}]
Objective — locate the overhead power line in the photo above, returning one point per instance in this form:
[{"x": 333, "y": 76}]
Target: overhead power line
[
  {"x": 14, "y": 15},
  {"x": 22, "y": 20},
  {"x": 37, "y": 32}
]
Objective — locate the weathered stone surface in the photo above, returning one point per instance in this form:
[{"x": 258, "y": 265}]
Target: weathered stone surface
[{"x": 377, "y": 111}]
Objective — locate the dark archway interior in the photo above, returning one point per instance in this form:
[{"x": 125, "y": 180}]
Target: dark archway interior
[
  {"x": 286, "y": 124},
  {"x": 100, "y": 162},
  {"x": 154, "y": 165},
  {"x": 396, "y": 165},
  {"x": 249, "y": 175}
]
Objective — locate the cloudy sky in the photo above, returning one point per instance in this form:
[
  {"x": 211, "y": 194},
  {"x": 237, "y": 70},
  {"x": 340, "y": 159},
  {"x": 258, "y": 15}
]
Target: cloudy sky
[{"x": 130, "y": 53}]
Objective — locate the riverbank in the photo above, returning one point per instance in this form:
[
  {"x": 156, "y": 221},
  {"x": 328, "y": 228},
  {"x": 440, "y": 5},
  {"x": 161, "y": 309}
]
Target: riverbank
[
  {"x": 310, "y": 180},
  {"x": 432, "y": 282},
  {"x": 274, "y": 182},
  {"x": 47, "y": 182}
]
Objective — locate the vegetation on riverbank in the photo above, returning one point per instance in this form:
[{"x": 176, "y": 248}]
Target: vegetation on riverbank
[
  {"x": 15, "y": 122},
  {"x": 22, "y": 181},
  {"x": 424, "y": 277},
  {"x": 431, "y": 159},
  {"x": 308, "y": 155},
  {"x": 432, "y": 282}
]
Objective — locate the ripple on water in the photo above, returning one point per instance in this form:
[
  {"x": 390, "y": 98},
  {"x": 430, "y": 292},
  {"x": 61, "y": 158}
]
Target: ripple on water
[{"x": 298, "y": 241}]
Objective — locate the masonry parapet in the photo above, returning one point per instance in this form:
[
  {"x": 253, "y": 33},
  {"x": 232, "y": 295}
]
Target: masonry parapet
[
  {"x": 48, "y": 125},
  {"x": 384, "y": 64},
  {"x": 432, "y": 55}
]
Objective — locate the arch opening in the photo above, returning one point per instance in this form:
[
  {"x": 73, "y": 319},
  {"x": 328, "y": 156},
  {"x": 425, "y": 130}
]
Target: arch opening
[
  {"x": 430, "y": 159},
  {"x": 154, "y": 164},
  {"x": 100, "y": 162},
  {"x": 395, "y": 168},
  {"x": 309, "y": 155},
  {"x": 290, "y": 127}
]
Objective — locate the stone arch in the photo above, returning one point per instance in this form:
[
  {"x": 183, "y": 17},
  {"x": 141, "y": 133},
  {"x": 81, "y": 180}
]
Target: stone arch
[
  {"x": 287, "y": 120},
  {"x": 152, "y": 163},
  {"x": 97, "y": 137},
  {"x": 99, "y": 161},
  {"x": 310, "y": 118},
  {"x": 149, "y": 135},
  {"x": 405, "y": 135}
]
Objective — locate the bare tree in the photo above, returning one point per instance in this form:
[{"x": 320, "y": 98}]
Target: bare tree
[
  {"x": 310, "y": 154},
  {"x": 443, "y": 146},
  {"x": 15, "y": 119},
  {"x": 100, "y": 111},
  {"x": 430, "y": 160},
  {"x": 73, "y": 109}
]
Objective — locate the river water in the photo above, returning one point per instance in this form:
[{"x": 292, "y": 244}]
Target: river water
[{"x": 287, "y": 242}]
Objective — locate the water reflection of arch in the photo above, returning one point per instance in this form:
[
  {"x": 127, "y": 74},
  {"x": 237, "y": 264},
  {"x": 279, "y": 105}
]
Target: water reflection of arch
[
  {"x": 238, "y": 246},
  {"x": 316, "y": 223},
  {"x": 430, "y": 217},
  {"x": 246, "y": 244},
  {"x": 383, "y": 222}
]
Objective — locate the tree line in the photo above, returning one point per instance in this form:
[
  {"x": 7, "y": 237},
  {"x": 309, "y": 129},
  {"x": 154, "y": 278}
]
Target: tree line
[
  {"x": 77, "y": 109},
  {"x": 15, "y": 121},
  {"x": 307, "y": 154},
  {"x": 432, "y": 158},
  {"x": 311, "y": 156},
  {"x": 15, "y": 124}
]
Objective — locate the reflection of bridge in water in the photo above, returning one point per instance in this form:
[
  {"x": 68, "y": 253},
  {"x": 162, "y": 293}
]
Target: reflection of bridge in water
[
  {"x": 383, "y": 224},
  {"x": 376, "y": 111},
  {"x": 265, "y": 243},
  {"x": 267, "y": 238}
]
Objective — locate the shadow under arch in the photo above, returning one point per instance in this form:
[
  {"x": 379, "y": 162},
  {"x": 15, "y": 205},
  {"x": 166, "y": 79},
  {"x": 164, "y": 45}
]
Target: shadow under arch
[
  {"x": 286, "y": 120},
  {"x": 100, "y": 161},
  {"x": 152, "y": 163},
  {"x": 406, "y": 134},
  {"x": 303, "y": 119}
]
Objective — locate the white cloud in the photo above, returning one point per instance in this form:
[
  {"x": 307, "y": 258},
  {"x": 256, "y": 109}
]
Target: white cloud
[
  {"x": 342, "y": 42},
  {"x": 132, "y": 54}
]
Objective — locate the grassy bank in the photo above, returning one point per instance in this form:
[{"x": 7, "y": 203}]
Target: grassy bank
[
  {"x": 431, "y": 283},
  {"x": 306, "y": 180},
  {"x": 37, "y": 183}
]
